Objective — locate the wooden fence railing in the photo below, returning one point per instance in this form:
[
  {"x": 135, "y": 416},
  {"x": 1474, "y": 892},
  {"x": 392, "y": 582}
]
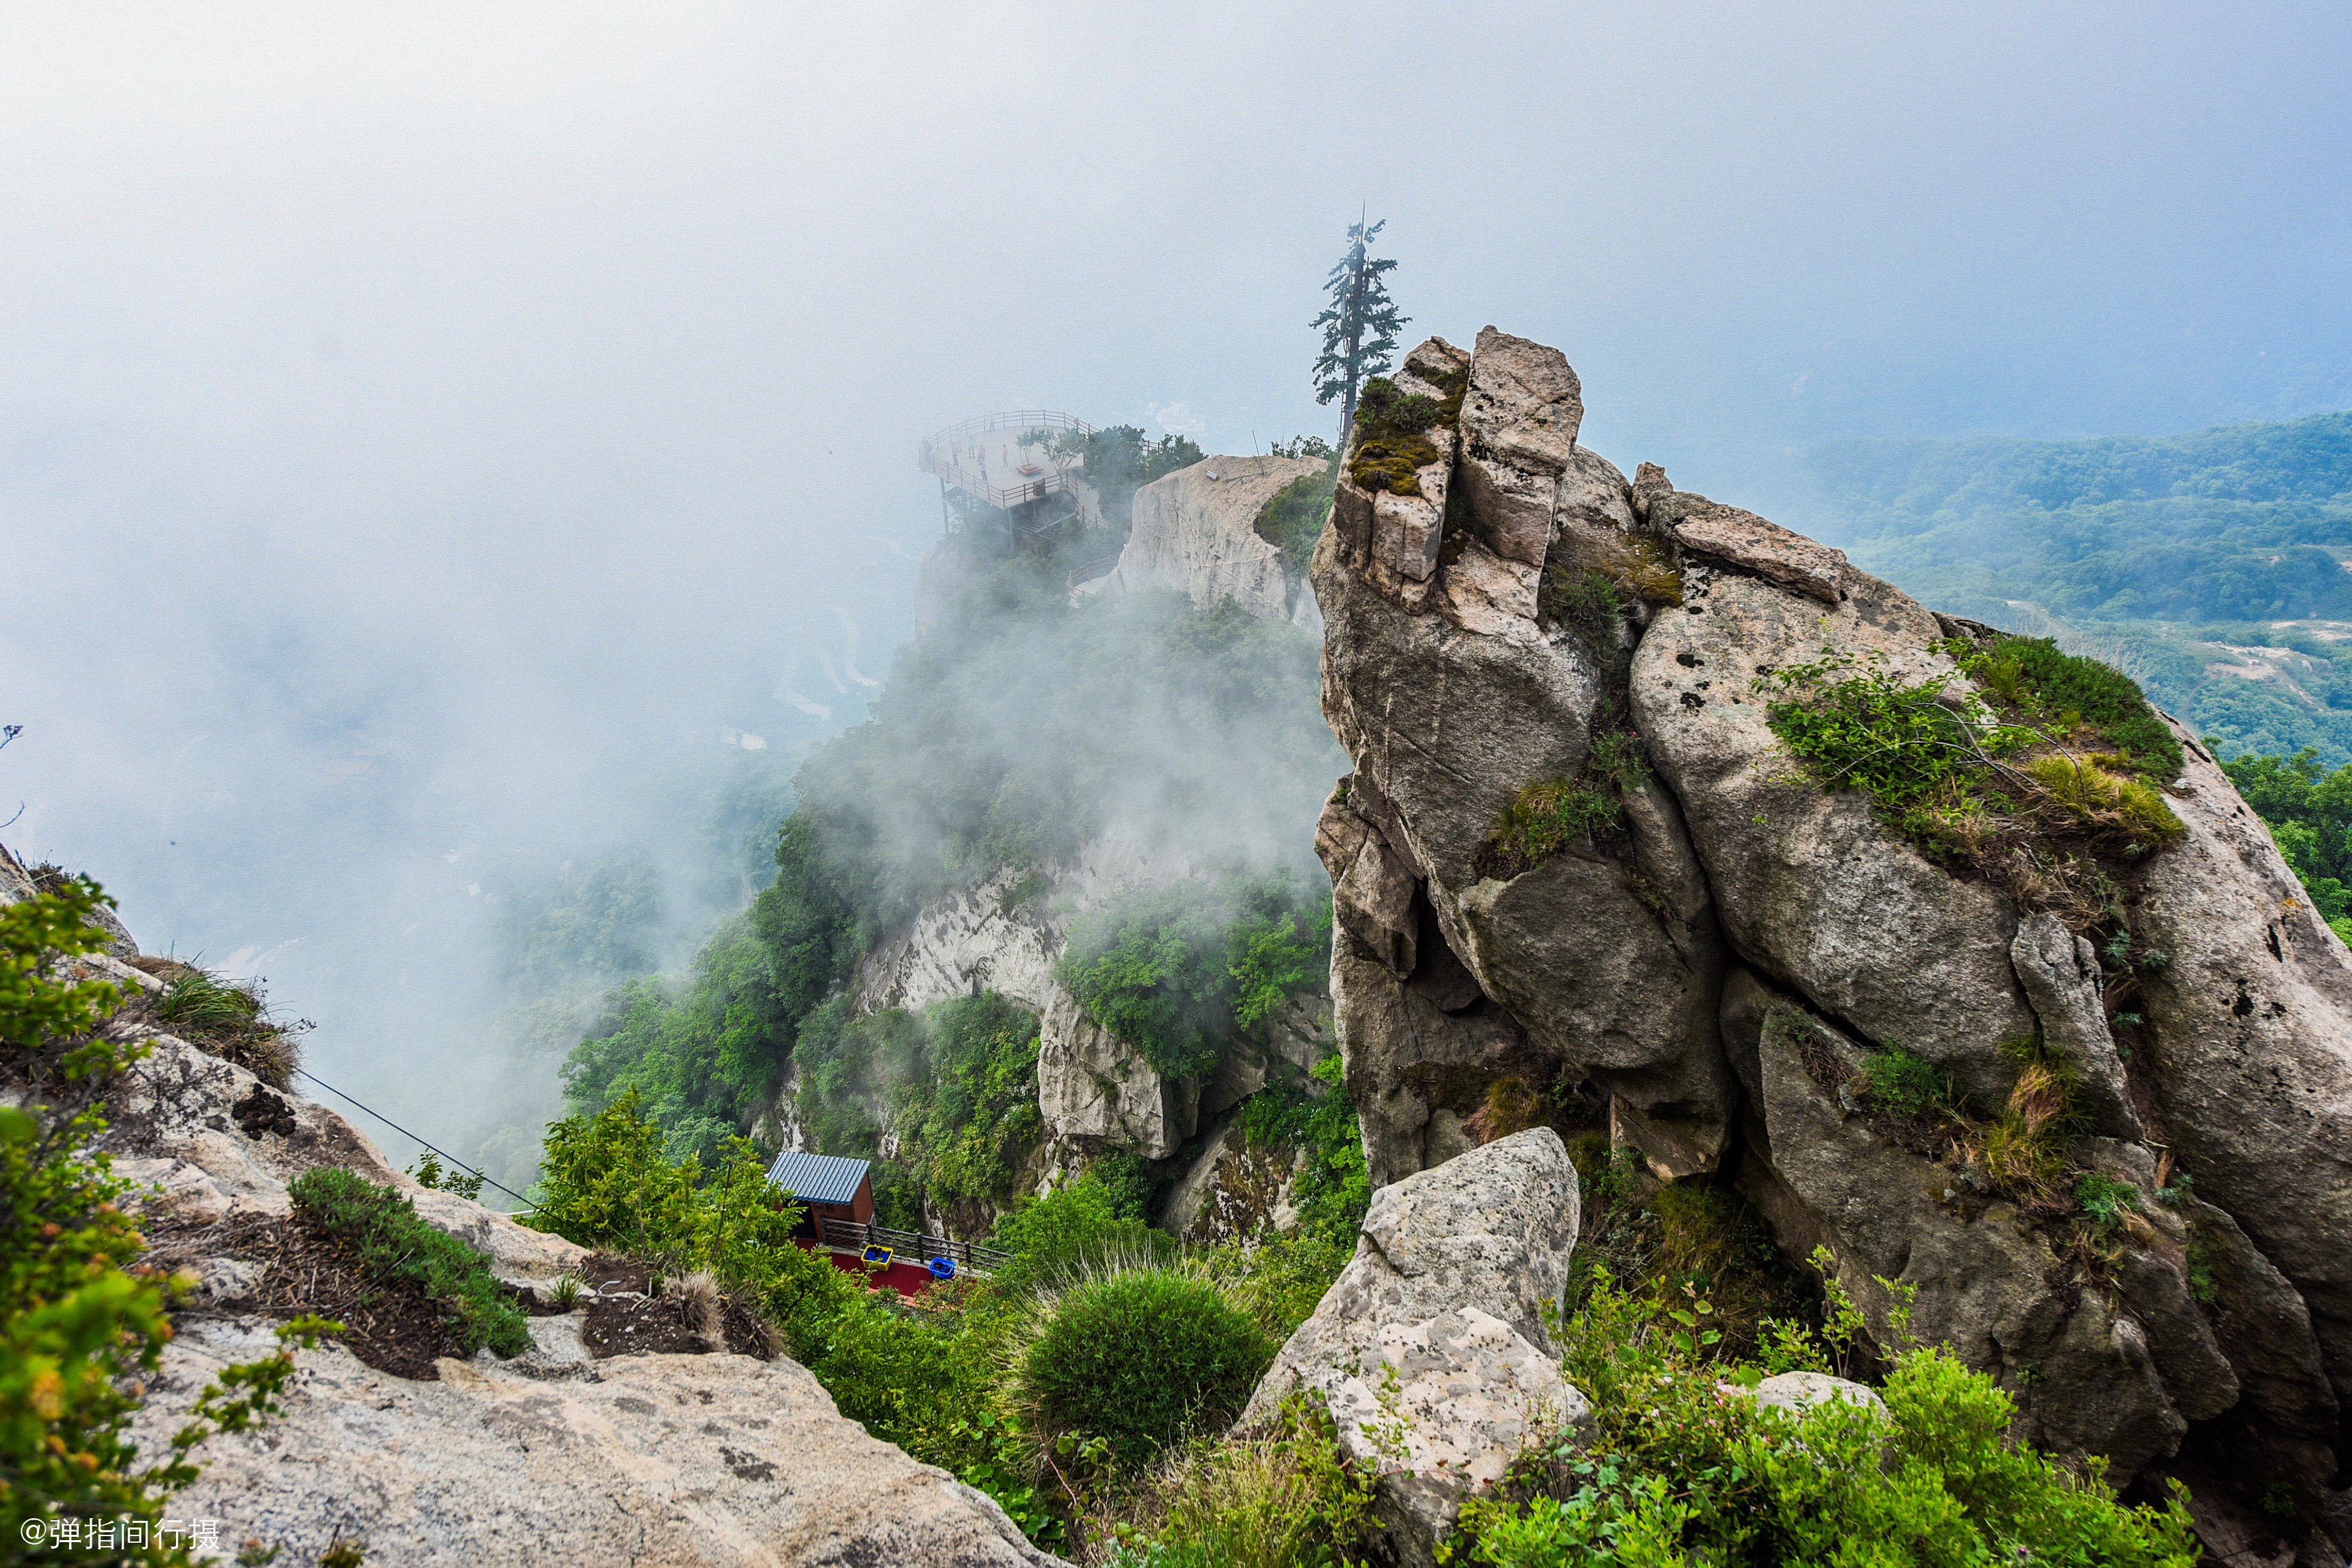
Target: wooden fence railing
[{"x": 913, "y": 1246}]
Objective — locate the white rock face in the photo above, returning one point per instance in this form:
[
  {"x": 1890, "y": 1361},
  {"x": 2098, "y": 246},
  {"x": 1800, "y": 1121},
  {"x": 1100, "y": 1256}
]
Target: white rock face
[
  {"x": 657, "y": 1459},
  {"x": 1194, "y": 532},
  {"x": 1446, "y": 1291},
  {"x": 958, "y": 946},
  {"x": 1092, "y": 1084}
]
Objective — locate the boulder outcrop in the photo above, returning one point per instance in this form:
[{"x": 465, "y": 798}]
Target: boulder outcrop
[
  {"x": 1719, "y": 957},
  {"x": 556, "y": 1456},
  {"x": 655, "y": 1459},
  {"x": 1431, "y": 1350},
  {"x": 1195, "y": 532}
]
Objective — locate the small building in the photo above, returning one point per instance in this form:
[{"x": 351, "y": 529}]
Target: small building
[{"x": 831, "y": 1187}]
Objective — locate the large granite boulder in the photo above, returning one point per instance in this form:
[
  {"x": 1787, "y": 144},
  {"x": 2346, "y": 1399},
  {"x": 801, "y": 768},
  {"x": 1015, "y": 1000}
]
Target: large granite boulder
[
  {"x": 1431, "y": 1350},
  {"x": 1717, "y": 965},
  {"x": 657, "y": 1459}
]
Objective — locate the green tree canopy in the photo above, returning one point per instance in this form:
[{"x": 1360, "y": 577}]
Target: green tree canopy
[{"x": 1359, "y": 325}]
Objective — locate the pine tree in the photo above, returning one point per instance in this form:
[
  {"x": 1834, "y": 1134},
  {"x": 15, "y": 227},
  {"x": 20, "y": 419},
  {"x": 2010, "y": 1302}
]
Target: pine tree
[{"x": 1359, "y": 326}]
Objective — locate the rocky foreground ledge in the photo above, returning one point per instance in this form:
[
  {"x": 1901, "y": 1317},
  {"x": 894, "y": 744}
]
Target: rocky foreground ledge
[{"x": 555, "y": 1457}]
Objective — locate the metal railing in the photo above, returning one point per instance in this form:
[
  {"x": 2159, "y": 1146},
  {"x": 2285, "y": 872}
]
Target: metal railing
[
  {"x": 1102, "y": 567},
  {"x": 936, "y": 456},
  {"x": 911, "y": 1247}
]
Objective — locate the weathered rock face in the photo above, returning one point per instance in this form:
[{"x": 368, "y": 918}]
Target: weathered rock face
[
  {"x": 1719, "y": 965},
  {"x": 1194, "y": 532},
  {"x": 1094, "y": 1090},
  {"x": 1447, "y": 1290},
  {"x": 670, "y": 1459},
  {"x": 553, "y": 1458}
]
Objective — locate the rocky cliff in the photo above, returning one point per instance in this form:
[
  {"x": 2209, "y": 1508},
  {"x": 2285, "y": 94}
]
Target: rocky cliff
[
  {"x": 1722, "y": 957},
  {"x": 1096, "y": 1091},
  {"x": 568, "y": 1452},
  {"x": 1194, "y": 532}
]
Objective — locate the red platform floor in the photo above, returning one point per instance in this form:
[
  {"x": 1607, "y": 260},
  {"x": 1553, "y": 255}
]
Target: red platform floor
[{"x": 907, "y": 1278}]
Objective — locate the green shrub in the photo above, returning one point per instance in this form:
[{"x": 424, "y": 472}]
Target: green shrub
[
  {"x": 1332, "y": 1193},
  {"x": 967, "y": 1109},
  {"x": 1861, "y": 727},
  {"x": 394, "y": 1243},
  {"x": 1675, "y": 1472},
  {"x": 1280, "y": 1280},
  {"x": 1140, "y": 1358},
  {"x": 1087, "y": 1223},
  {"x": 2058, "y": 682},
  {"x": 1593, "y": 605},
  {"x": 2107, "y": 1201},
  {"x": 78, "y": 1332},
  {"x": 1293, "y": 516},
  {"x": 1907, "y": 1085},
  {"x": 607, "y": 1182}
]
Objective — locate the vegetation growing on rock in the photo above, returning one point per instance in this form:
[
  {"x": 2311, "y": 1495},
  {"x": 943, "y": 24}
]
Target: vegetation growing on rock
[
  {"x": 394, "y": 1246},
  {"x": 1012, "y": 733},
  {"x": 78, "y": 1328},
  {"x": 1687, "y": 1465},
  {"x": 2034, "y": 780},
  {"x": 1178, "y": 970},
  {"x": 230, "y": 1020},
  {"x": 1551, "y": 815},
  {"x": 957, "y": 1084},
  {"x": 1392, "y": 434},
  {"x": 1292, "y": 518}
]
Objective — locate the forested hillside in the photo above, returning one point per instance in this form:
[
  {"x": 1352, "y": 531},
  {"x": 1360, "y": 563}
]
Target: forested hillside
[
  {"x": 2210, "y": 565},
  {"x": 1017, "y": 729}
]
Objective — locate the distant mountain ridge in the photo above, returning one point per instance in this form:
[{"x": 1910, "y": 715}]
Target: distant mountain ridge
[{"x": 2213, "y": 566}]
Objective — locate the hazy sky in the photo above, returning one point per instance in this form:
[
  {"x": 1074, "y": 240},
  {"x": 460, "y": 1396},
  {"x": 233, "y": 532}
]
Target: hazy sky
[{"x": 516, "y": 391}]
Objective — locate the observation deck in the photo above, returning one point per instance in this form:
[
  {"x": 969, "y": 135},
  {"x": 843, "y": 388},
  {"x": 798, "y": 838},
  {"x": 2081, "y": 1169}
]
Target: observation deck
[{"x": 987, "y": 460}]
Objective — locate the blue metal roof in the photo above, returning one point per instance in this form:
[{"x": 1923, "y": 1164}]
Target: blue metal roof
[{"x": 819, "y": 1178}]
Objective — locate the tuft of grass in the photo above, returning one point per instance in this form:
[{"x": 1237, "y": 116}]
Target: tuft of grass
[
  {"x": 565, "y": 1293},
  {"x": 2022, "y": 1162},
  {"x": 392, "y": 1242},
  {"x": 1551, "y": 813},
  {"x": 1283, "y": 1499},
  {"x": 2043, "y": 1099},
  {"x": 229, "y": 1020},
  {"x": 1593, "y": 607},
  {"x": 1511, "y": 1107},
  {"x": 2104, "y": 802}
]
